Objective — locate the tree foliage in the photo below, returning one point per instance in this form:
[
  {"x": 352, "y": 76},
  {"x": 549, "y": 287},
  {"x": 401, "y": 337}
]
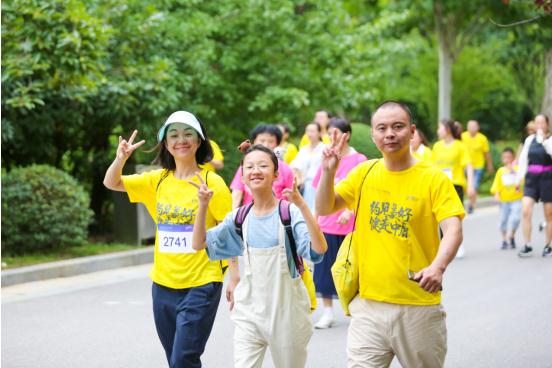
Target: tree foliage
[{"x": 76, "y": 74}]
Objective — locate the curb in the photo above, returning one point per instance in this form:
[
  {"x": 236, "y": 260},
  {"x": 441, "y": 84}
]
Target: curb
[
  {"x": 77, "y": 266},
  {"x": 82, "y": 265}
]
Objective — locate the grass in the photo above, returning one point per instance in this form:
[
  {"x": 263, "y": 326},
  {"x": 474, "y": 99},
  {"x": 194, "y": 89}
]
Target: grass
[{"x": 72, "y": 252}]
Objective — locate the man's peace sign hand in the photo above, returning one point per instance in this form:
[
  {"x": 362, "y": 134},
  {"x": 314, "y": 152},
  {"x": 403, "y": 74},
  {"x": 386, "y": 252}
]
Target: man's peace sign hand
[{"x": 331, "y": 155}]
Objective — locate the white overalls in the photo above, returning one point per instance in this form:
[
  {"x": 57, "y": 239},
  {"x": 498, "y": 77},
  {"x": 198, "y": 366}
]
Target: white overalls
[{"x": 270, "y": 309}]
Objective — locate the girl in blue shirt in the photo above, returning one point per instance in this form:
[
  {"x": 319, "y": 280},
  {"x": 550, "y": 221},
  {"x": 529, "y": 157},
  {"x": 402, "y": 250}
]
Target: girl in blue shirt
[{"x": 270, "y": 303}]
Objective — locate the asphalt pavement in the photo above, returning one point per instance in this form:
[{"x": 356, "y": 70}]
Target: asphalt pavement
[{"x": 498, "y": 315}]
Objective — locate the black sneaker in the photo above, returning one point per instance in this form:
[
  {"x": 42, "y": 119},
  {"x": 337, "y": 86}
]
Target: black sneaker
[
  {"x": 512, "y": 243},
  {"x": 547, "y": 251},
  {"x": 504, "y": 245},
  {"x": 527, "y": 251},
  {"x": 542, "y": 225},
  {"x": 470, "y": 209}
]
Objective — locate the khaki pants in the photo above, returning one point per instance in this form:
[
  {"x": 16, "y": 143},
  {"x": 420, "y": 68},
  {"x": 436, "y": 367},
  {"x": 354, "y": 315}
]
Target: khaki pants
[{"x": 417, "y": 335}]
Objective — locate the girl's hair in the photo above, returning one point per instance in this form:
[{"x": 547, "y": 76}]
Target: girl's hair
[
  {"x": 246, "y": 148},
  {"x": 423, "y": 138},
  {"x": 268, "y": 129},
  {"x": 284, "y": 126},
  {"x": 342, "y": 124},
  {"x": 452, "y": 128},
  {"x": 164, "y": 158}
]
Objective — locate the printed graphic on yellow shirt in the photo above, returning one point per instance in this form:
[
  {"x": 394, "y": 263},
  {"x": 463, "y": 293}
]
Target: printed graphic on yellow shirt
[{"x": 390, "y": 217}]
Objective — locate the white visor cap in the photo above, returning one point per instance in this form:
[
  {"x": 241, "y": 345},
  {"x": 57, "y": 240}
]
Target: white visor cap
[{"x": 183, "y": 117}]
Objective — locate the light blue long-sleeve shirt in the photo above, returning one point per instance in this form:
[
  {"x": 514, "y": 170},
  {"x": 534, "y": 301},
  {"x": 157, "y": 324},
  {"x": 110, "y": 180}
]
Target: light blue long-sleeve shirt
[{"x": 262, "y": 232}]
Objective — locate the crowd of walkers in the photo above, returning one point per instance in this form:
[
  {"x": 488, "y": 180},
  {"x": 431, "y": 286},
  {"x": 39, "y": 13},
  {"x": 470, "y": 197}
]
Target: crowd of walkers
[{"x": 290, "y": 208}]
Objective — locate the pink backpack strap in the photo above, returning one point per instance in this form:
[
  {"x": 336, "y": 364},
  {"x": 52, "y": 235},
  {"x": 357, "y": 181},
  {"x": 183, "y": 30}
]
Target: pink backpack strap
[{"x": 243, "y": 211}]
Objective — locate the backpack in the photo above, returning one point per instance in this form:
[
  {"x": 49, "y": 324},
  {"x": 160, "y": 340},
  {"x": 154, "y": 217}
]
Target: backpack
[{"x": 285, "y": 218}]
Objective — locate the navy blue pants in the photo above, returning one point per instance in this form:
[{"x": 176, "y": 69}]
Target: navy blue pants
[{"x": 184, "y": 319}]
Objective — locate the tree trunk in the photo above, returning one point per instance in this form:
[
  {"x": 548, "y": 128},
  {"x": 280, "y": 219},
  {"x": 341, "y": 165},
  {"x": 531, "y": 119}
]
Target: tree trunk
[
  {"x": 446, "y": 36},
  {"x": 547, "y": 97},
  {"x": 445, "y": 81}
]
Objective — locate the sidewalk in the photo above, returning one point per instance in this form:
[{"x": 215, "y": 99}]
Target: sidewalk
[{"x": 78, "y": 266}]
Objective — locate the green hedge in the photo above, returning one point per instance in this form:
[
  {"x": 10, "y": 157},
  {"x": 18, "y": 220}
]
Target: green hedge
[{"x": 43, "y": 208}]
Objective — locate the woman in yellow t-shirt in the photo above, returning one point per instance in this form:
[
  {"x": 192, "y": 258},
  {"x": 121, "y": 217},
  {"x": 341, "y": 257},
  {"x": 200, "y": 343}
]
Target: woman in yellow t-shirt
[
  {"x": 452, "y": 157},
  {"x": 186, "y": 286},
  {"x": 419, "y": 147},
  {"x": 287, "y": 150}
]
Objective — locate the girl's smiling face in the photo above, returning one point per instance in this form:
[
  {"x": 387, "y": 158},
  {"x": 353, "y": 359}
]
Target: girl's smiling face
[{"x": 258, "y": 170}]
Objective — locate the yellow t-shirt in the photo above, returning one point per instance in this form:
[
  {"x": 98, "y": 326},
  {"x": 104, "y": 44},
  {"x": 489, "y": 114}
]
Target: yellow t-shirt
[
  {"x": 505, "y": 183},
  {"x": 423, "y": 153},
  {"x": 397, "y": 227},
  {"x": 217, "y": 155},
  {"x": 305, "y": 140},
  {"x": 452, "y": 159},
  {"x": 477, "y": 147},
  {"x": 291, "y": 152},
  {"x": 175, "y": 202}
]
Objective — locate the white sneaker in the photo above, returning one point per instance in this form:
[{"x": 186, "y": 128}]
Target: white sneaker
[
  {"x": 326, "y": 321},
  {"x": 461, "y": 252}
]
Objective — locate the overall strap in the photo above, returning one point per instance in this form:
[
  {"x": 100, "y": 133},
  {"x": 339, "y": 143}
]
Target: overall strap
[{"x": 285, "y": 218}]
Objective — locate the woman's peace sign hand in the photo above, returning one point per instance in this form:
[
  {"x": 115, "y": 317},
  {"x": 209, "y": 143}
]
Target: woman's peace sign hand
[
  {"x": 204, "y": 194},
  {"x": 332, "y": 153},
  {"x": 125, "y": 148}
]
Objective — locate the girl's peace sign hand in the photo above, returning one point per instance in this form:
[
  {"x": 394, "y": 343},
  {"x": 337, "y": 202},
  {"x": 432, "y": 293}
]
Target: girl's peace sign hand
[
  {"x": 292, "y": 194},
  {"x": 125, "y": 148},
  {"x": 204, "y": 194},
  {"x": 332, "y": 153}
]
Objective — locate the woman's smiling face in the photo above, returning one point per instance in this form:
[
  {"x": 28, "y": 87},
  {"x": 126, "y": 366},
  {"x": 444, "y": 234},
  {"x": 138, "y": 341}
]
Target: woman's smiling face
[{"x": 182, "y": 141}]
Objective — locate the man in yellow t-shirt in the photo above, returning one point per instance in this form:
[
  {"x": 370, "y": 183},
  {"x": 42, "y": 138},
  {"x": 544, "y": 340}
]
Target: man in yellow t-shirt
[
  {"x": 401, "y": 204},
  {"x": 478, "y": 148},
  {"x": 322, "y": 117},
  {"x": 217, "y": 163},
  {"x": 508, "y": 191}
]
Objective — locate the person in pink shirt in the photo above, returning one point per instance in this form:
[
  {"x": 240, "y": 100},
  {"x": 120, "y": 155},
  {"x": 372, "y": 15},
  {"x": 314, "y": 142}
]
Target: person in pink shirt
[
  {"x": 335, "y": 227},
  {"x": 269, "y": 136}
]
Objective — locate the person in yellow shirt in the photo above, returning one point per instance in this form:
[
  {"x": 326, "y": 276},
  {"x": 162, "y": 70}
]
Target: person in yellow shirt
[
  {"x": 508, "y": 192},
  {"x": 419, "y": 147},
  {"x": 286, "y": 149},
  {"x": 401, "y": 203},
  {"x": 217, "y": 163},
  {"x": 451, "y": 156},
  {"x": 322, "y": 117},
  {"x": 186, "y": 285},
  {"x": 478, "y": 148}
]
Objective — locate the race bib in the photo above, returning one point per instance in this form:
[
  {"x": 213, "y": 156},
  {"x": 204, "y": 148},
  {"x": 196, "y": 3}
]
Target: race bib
[
  {"x": 175, "y": 238},
  {"x": 508, "y": 179},
  {"x": 448, "y": 173}
]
